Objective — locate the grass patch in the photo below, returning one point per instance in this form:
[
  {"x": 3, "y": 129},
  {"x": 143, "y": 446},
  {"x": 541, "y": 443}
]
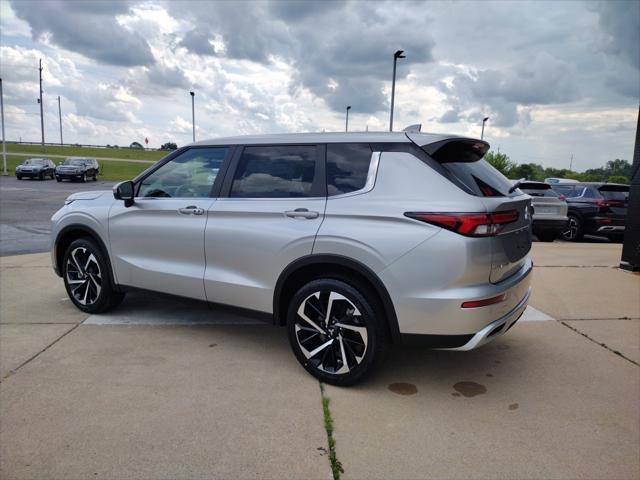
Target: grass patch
[
  {"x": 71, "y": 151},
  {"x": 336, "y": 466},
  {"x": 109, "y": 170}
]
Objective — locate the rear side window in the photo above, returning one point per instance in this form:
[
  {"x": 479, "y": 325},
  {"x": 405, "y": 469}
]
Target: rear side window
[
  {"x": 480, "y": 178},
  {"x": 621, "y": 194},
  {"x": 285, "y": 171},
  {"x": 347, "y": 167}
]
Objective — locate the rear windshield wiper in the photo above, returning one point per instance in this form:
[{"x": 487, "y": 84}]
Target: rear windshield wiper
[{"x": 516, "y": 185}]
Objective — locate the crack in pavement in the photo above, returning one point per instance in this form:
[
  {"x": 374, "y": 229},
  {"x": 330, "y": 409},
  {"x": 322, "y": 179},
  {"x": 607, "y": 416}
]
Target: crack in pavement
[
  {"x": 33, "y": 357},
  {"x": 604, "y": 345}
]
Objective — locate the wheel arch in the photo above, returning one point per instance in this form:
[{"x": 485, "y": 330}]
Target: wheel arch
[
  {"x": 73, "y": 232},
  {"x": 315, "y": 266}
]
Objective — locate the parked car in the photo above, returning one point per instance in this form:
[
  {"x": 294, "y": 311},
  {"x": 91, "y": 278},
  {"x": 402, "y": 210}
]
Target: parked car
[
  {"x": 35, "y": 168},
  {"x": 549, "y": 210},
  {"x": 596, "y": 209},
  {"x": 78, "y": 168},
  {"x": 354, "y": 241}
]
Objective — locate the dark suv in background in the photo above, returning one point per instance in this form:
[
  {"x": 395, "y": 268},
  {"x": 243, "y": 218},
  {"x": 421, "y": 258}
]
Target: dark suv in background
[
  {"x": 595, "y": 209},
  {"x": 78, "y": 168}
]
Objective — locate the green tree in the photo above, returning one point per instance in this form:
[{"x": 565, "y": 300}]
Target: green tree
[
  {"x": 500, "y": 162},
  {"x": 618, "y": 179}
]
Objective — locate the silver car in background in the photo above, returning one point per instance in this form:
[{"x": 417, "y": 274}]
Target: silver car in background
[
  {"x": 549, "y": 210},
  {"x": 354, "y": 241}
]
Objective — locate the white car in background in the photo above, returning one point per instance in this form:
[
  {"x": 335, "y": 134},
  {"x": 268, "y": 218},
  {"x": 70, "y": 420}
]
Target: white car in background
[{"x": 549, "y": 210}]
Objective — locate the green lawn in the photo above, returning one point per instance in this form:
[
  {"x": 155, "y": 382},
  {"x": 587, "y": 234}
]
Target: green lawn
[
  {"x": 110, "y": 170},
  {"x": 125, "y": 153}
]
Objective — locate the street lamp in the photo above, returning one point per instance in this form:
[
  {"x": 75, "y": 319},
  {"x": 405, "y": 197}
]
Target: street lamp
[
  {"x": 346, "y": 123},
  {"x": 193, "y": 114},
  {"x": 396, "y": 56},
  {"x": 484, "y": 120}
]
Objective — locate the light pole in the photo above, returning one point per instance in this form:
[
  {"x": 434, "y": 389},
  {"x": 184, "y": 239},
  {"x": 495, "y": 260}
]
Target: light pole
[
  {"x": 484, "y": 120},
  {"x": 346, "y": 123},
  {"x": 396, "y": 56},
  {"x": 4, "y": 149},
  {"x": 60, "y": 118},
  {"x": 40, "y": 102},
  {"x": 193, "y": 114}
]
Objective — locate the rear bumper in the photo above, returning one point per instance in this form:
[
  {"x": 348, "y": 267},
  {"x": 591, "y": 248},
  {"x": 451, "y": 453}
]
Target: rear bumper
[
  {"x": 611, "y": 229},
  {"x": 497, "y": 328}
]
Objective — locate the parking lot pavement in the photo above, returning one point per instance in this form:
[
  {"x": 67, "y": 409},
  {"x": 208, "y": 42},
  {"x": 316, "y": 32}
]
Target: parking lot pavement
[
  {"x": 541, "y": 402},
  {"x": 26, "y": 207},
  {"x": 163, "y": 387},
  {"x": 163, "y": 402}
]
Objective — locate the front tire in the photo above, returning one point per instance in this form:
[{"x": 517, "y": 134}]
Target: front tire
[
  {"x": 58, "y": 179},
  {"x": 336, "y": 331},
  {"x": 87, "y": 277},
  {"x": 573, "y": 232},
  {"x": 18, "y": 177}
]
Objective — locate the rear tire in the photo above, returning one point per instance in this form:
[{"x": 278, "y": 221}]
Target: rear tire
[
  {"x": 347, "y": 347},
  {"x": 573, "y": 232},
  {"x": 87, "y": 277}
]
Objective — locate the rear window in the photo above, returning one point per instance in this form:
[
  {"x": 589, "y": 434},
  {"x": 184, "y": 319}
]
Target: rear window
[
  {"x": 538, "y": 190},
  {"x": 480, "y": 178},
  {"x": 617, "y": 194},
  {"x": 347, "y": 167}
]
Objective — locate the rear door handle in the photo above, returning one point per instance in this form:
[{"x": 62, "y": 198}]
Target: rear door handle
[
  {"x": 191, "y": 210},
  {"x": 301, "y": 213}
]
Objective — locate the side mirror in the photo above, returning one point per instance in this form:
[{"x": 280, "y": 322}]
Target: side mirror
[{"x": 124, "y": 191}]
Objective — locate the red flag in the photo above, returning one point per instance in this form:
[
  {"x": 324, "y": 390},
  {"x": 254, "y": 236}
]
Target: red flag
[{"x": 146, "y": 141}]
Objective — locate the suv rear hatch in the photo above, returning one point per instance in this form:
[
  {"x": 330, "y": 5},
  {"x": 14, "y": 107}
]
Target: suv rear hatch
[
  {"x": 616, "y": 198},
  {"x": 461, "y": 162}
]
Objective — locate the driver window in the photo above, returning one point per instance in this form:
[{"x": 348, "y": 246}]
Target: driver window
[{"x": 189, "y": 175}]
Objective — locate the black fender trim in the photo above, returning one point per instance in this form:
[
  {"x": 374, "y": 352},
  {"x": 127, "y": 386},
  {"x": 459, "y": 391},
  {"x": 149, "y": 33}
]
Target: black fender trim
[
  {"x": 91, "y": 233},
  {"x": 331, "y": 259}
]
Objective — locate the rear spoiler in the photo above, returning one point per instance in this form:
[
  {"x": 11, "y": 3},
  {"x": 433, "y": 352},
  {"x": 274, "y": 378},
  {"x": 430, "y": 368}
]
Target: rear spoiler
[{"x": 450, "y": 149}]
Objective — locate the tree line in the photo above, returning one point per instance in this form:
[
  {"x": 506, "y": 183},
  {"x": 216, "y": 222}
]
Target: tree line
[{"x": 614, "y": 171}]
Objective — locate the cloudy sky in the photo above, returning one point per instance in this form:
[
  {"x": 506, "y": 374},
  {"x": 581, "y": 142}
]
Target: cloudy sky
[{"x": 555, "y": 78}]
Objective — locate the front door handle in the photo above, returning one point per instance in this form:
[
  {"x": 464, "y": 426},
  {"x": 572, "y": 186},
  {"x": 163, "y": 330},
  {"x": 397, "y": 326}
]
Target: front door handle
[
  {"x": 301, "y": 213},
  {"x": 191, "y": 210}
]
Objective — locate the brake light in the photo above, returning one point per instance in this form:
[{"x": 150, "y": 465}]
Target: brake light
[
  {"x": 485, "y": 302},
  {"x": 600, "y": 203},
  {"x": 468, "y": 224},
  {"x": 562, "y": 197}
]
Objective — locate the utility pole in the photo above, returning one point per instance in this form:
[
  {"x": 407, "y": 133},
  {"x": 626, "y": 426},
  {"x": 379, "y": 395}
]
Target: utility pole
[
  {"x": 60, "y": 117},
  {"x": 4, "y": 148},
  {"x": 40, "y": 102},
  {"x": 571, "y": 163}
]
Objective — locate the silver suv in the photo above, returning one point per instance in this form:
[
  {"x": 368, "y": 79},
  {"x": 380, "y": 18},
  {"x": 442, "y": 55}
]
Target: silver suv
[{"x": 353, "y": 241}]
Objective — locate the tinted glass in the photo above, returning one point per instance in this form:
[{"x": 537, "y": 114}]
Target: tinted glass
[
  {"x": 614, "y": 194},
  {"x": 275, "y": 172},
  {"x": 347, "y": 167},
  {"x": 191, "y": 174},
  {"x": 481, "y": 178},
  {"x": 566, "y": 190},
  {"x": 546, "y": 191}
]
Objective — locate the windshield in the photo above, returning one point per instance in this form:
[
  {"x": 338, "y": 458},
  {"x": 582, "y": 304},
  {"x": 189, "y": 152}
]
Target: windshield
[
  {"x": 75, "y": 161},
  {"x": 34, "y": 161}
]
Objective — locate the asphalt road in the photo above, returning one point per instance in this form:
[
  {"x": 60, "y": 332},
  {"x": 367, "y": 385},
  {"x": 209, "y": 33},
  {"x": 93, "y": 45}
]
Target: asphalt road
[{"x": 26, "y": 207}]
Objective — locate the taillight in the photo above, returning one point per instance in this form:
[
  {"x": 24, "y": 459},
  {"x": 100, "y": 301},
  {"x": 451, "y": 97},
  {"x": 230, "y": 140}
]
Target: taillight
[
  {"x": 485, "y": 302},
  {"x": 562, "y": 197},
  {"x": 468, "y": 224},
  {"x": 600, "y": 203}
]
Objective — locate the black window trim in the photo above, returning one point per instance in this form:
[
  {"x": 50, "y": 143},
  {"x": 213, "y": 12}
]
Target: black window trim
[
  {"x": 217, "y": 183},
  {"x": 318, "y": 187}
]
